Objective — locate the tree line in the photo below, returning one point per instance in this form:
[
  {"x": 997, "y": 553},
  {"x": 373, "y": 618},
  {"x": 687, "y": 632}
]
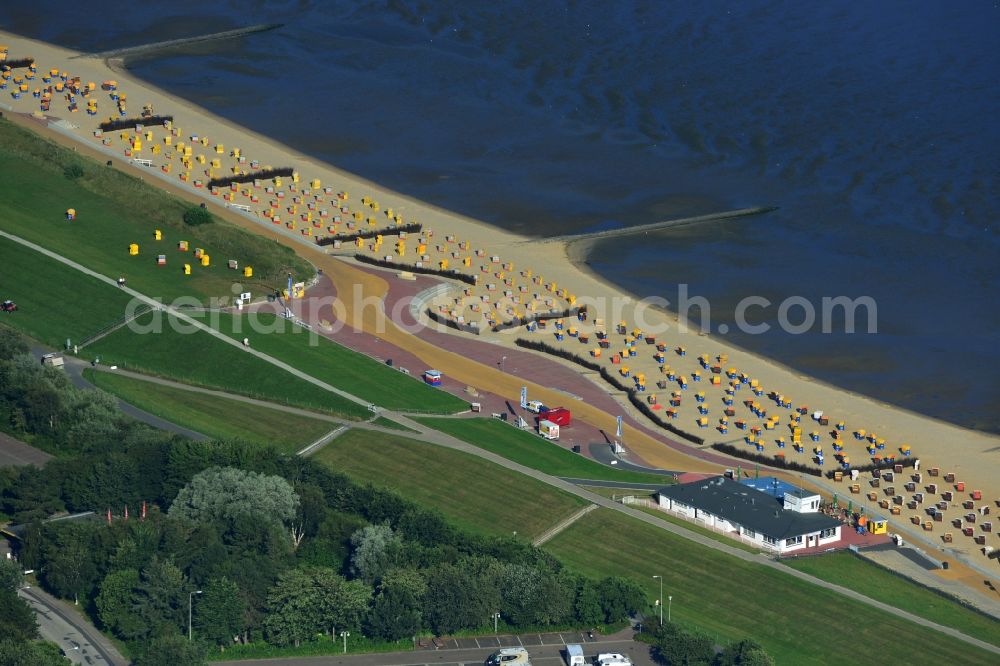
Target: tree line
[{"x": 263, "y": 546}]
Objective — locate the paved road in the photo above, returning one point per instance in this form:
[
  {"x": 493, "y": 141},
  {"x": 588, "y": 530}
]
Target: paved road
[
  {"x": 17, "y": 453},
  {"x": 549, "y": 655},
  {"x": 651, "y": 487},
  {"x": 74, "y": 368},
  {"x": 59, "y": 623},
  {"x": 442, "y": 439}
]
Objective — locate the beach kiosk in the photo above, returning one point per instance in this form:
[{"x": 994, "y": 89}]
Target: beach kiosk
[{"x": 432, "y": 377}]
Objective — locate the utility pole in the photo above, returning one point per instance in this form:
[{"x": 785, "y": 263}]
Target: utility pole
[
  {"x": 660, "y": 601},
  {"x": 190, "y": 599}
]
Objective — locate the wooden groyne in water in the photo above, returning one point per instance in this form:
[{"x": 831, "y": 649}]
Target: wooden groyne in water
[
  {"x": 658, "y": 226},
  {"x": 172, "y": 43}
]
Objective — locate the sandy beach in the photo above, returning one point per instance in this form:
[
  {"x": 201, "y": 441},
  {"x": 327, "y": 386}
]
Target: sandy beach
[{"x": 970, "y": 455}]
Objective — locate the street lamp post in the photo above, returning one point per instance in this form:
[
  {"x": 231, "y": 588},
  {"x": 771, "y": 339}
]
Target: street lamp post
[
  {"x": 670, "y": 602},
  {"x": 344, "y": 635},
  {"x": 496, "y": 618},
  {"x": 660, "y": 604},
  {"x": 502, "y": 359},
  {"x": 190, "y": 598}
]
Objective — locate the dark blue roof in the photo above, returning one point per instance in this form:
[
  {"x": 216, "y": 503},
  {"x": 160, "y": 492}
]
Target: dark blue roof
[{"x": 747, "y": 507}]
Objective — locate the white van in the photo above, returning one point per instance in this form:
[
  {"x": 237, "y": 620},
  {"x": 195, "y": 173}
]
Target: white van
[
  {"x": 513, "y": 656},
  {"x": 574, "y": 656},
  {"x": 612, "y": 659}
]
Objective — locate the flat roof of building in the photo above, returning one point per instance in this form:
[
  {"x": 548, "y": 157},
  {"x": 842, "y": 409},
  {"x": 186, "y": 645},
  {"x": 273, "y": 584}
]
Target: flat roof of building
[{"x": 747, "y": 507}]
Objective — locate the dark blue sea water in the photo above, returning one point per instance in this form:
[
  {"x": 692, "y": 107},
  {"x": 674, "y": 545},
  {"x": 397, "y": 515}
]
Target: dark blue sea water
[{"x": 872, "y": 125}]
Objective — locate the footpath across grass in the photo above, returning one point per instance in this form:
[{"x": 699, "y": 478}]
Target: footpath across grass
[
  {"x": 871, "y": 580},
  {"x": 115, "y": 209},
  {"x": 729, "y": 598},
  {"x": 195, "y": 357},
  {"x": 532, "y": 451},
  {"x": 335, "y": 364},
  {"x": 54, "y": 301},
  {"x": 219, "y": 418},
  {"x": 474, "y": 494}
]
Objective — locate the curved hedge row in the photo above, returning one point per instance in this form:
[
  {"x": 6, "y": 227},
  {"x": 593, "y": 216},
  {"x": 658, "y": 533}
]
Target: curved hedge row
[
  {"x": 544, "y": 316},
  {"x": 453, "y": 275},
  {"x": 20, "y": 62},
  {"x": 265, "y": 174},
  {"x": 771, "y": 461},
  {"x": 413, "y": 228},
  {"x": 130, "y": 123},
  {"x": 633, "y": 396},
  {"x": 464, "y": 328}
]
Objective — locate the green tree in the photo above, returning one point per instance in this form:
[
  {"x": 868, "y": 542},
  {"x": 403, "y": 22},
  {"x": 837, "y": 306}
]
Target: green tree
[
  {"x": 620, "y": 598},
  {"x": 196, "y": 216},
  {"x": 223, "y": 493},
  {"x": 30, "y": 653},
  {"x": 293, "y": 609},
  {"x": 73, "y": 171},
  {"x": 343, "y": 602},
  {"x": 68, "y": 566},
  {"x": 12, "y": 344},
  {"x": 115, "y": 602},
  {"x": 160, "y": 602},
  {"x": 587, "y": 606},
  {"x": 10, "y": 575},
  {"x": 171, "y": 650},
  {"x": 746, "y": 652},
  {"x": 307, "y": 602},
  {"x": 456, "y": 599},
  {"x": 396, "y": 610},
  {"x": 376, "y": 550},
  {"x": 677, "y": 647},
  {"x": 218, "y": 617},
  {"x": 17, "y": 619}
]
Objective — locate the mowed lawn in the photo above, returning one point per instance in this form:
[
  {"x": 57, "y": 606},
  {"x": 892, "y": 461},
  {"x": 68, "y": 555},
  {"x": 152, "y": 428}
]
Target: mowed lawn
[
  {"x": 729, "y": 598},
  {"x": 532, "y": 451},
  {"x": 871, "y": 580},
  {"x": 474, "y": 494},
  {"x": 55, "y": 302},
  {"x": 198, "y": 358},
  {"x": 114, "y": 209},
  {"x": 219, "y": 418},
  {"x": 335, "y": 364}
]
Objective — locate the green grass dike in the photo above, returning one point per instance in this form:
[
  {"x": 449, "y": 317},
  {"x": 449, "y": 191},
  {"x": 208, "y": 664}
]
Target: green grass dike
[
  {"x": 872, "y": 580},
  {"x": 728, "y": 598},
  {"x": 335, "y": 364},
  {"x": 115, "y": 209},
  {"x": 216, "y": 417},
  {"x": 54, "y": 301},
  {"x": 474, "y": 494},
  {"x": 532, "y": 451},
  {"x": 176, "y": 350}
]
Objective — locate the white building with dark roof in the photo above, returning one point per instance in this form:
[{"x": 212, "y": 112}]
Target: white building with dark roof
[{"x": 782, "y": 524}]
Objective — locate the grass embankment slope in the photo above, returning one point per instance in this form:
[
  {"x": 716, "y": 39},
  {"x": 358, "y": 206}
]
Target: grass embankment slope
[
  {"x": 337, "y": 365},
  {"x": 219, "y": 418},
  {"x": 532, "y": 451},
  {"x": 175, "y": 350},
  {"x": 472, "y": 493},
  {"x": 871, "y": 580},
  {"x": 55, "y": 302},
  {"x": 729, "y": 598},
  {"x": 115, "y": 209}
]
